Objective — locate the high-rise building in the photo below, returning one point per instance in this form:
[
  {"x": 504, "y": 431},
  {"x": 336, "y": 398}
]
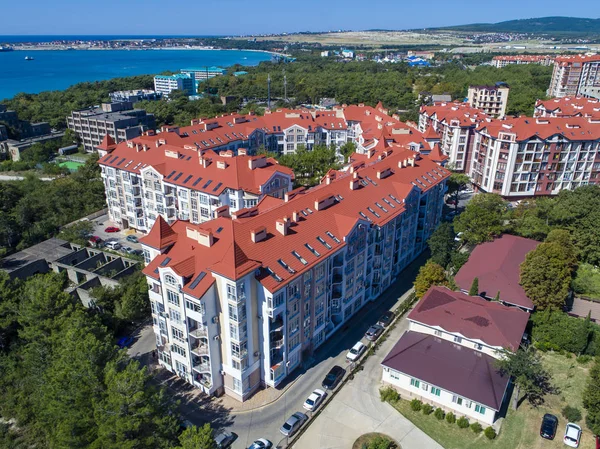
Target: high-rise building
[
  {"x": 491, "y": 100},
  {"x": 165, "y": 84},
  {"x": 119, "y": 120},
  {"x": 241, "y": 301},
  {"x": 572, "y": 75},
  {"x": 503, "y": 61}
]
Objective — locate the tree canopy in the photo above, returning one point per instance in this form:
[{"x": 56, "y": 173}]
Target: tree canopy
[
  {"x": 431, "y": 274},
  {"x": 482, "y": 219},
  {"x": 591, "y": 398}
]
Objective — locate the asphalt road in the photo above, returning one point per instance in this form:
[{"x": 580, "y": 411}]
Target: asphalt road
[{"x": 266, "y": 421}]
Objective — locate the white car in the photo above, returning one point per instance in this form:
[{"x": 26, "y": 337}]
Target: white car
[
  {"x": 261, "y": 443},
  {"x": 572, "y": 435},
  {"x": 356, "y": 351},
  {"x": 314, "y": 400}
]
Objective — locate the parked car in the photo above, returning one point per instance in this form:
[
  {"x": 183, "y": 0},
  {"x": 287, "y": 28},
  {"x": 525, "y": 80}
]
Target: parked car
[
  {"x": 125, "y": 249},
  {"x": 374, "y": 332},
  {"x": 112, "y": 229},
  {"x": 597, "y": 441},
  {"x": 94, "y": 241},
  {"x": 224, "y": 439},
  {"x": 113, "y": 245},
  {"x": 132, "y": 239},
  {"x": 261, "y": 443},
  {"x": 314, "y": 400},
  {"x": 137, "y": 252},
  {"x": 451, "y": 202},
  {"x": 355, "y": 352},
  {"x": 293, "y": 423},
  {"x": 572, "y": 435},
  {"x": 549, "y": 425},
  {"x": 458, "y": 237},
  {"x": 124, "y": 342},
  {"x": 386, "y": 319},
  {"x": 333, "y": 377}
]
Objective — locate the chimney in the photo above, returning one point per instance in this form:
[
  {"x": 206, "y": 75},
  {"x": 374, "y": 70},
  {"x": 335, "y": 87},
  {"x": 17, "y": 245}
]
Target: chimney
[
  {"x": 257, "y": 162},
  {"x": 205, "y": 238},
  {"x": 405, "y": 163},
  {"x": 328, "y": 180},
  {"x": 371, "y": 153},
  {"x": 384, "y": 173},
  {"x": 411, "y": 161},
  {"x": 204, "y": 161},
  {"x": 222, "y": 165},
  {"x": 222, "y": 211},
  {"x": 295, "y": 216},
  {"x": 258, "y": 234},
  {"x": 354, "y": 182},
  {"x": 282, "y": 225},
  {"x": 242, "y": 152}
]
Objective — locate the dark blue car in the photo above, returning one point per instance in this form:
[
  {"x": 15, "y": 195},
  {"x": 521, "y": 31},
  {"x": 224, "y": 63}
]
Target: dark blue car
[{"x": 124, "y": 342}]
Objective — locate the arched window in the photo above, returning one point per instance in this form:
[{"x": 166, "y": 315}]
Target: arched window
[{"x": 170, "y": 280}]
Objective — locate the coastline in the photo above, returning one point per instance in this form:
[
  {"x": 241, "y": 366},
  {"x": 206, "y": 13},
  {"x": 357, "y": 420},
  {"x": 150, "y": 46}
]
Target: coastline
[{"x": 192, "y": 48}]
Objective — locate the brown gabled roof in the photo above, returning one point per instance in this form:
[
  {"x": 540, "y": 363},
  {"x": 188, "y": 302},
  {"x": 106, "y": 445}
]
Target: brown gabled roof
[
  {"x": 454, "y": 368},
  {"x": 497, "y": 266},
  {"x": 471, "y": 316},
  {"x": 160, "y": 236}
]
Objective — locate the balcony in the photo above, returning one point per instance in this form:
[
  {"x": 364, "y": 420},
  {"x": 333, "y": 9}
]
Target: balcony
[
  {"x": 337, "y": 278},
  {"x": 199, "y": 332},
  {"x": 201, "y": 365},
  {"x": 239, "y": 355},
  {"x": 237, "y": 299},
  {"x": 204, "y": 380},
  {"x": 277, "y": 371},
  {"x": 276, "y": 325},
  {"x": 200, "y": 349}
]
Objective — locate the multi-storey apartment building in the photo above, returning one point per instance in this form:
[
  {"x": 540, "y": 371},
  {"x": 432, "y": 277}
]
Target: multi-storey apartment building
[
  {"x": 119, "y": 120},
  {"x": 568, "y": 107},
  {"x": 144, "y": 182},
  {"x": 455, "y": 124},
  {"x": 165, "y": 84},
  {"x": 491, "y": 100},
  {"x": 204, "y": 73},
  {"x": 503, "y": 61},
  {"x": 526, "y": 156},
  {"x": 133, "y": 96},
  {"x": 241, "y": 301},
  {"x": 572, "y": 75}
]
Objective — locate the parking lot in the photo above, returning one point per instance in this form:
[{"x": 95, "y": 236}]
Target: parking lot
[{"x": 102, "y": 223}]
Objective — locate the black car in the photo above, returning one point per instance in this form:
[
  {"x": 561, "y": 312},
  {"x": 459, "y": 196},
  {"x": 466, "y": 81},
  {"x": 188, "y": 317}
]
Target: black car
[
  {"x": 549, "y": 425},
  {"x": 386, "y": 318},
  {"x": 333, "y": 377}
]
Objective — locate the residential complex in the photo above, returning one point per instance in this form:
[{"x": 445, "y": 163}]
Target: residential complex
[
  {"x": 165, "y": 84},
  {"x": 119, "y": 120},
  {"x": 447, "y": 357},
  {"x": 503, "y": 61},
  {"x": 134, "y": 95},
  {"x": 491, "y": 100},
  {"x": 204, "y": 73},
  {"x": 568, "y": 107},
  {"x": 524, "y": 156},
  {"x": 455, "y": 125},
  {"x": 573, "y": 75},
  {"x": 241, "y": 301}
]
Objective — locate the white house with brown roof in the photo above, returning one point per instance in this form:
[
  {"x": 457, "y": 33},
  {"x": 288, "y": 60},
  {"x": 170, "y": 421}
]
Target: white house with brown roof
[{"x": 447, "y": 356}]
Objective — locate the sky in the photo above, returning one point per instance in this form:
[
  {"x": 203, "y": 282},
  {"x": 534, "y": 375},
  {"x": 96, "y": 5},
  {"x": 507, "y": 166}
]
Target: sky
[{"x": 237, "y": 17}]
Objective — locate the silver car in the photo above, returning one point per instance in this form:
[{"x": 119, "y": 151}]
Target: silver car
[{"x": 293, "y": 423}]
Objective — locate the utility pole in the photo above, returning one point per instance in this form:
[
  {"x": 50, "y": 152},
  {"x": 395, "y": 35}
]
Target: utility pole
[{"x": 269, "y": 91}]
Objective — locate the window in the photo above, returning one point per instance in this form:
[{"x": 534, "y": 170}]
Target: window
[
  {"x": 175, "y": 315},
  {"x": 233, "y": 203},
  {"x": 480, "y": 409},
  {"x": 170, "y": 280},
  {"x": 178, "y": 349},
  {"x": 146, "y": 256},
  {"x": 173, "y": 297},
  {"x": 457, "y": 339},
  {"x": 478, "y": 346},
  {"x": 204, "y": 212},
  {"x": 414, "y": 383},
  {"x": 177, "y": 334},
  {"x": 237, "y": 385},
  {"x": 435, "y": 391},
  {"x": 457, "y": 400},
  {"x": 438, "y": 333},
  {"x": 195, "y": 307}
]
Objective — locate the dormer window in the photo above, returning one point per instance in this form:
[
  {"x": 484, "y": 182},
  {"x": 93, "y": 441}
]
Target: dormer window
[{"x": 170, "y": 280}]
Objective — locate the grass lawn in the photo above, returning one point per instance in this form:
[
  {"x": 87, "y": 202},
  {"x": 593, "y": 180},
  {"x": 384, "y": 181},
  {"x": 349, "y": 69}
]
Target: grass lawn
[
  {"x": 587, "y": 281},
  {"x": 520, "y": 429}
]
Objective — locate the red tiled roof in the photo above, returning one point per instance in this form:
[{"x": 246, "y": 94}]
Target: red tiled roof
[
  {"x": 497, "y": 266},
  {"x": 458, "y": 369},
  {"x": 234, "y": 253},
  {"x": 524, "y": 128},
  {"x": 471, "y": 316},
  {"x": 528, "y": 58},
  {"x": 568, "y": 107},
  {"x": 107, "y": 144},
  {"x": 465, "y": 114},
  {"x": 570, "y": 59},
  {"x": 436, "y": 154},
  {"x": 160, "y": 236},
  {"x": 430, "y": 134}
]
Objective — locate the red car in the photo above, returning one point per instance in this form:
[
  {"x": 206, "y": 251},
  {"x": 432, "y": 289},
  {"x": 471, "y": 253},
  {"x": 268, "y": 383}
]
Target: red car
[
  {"x": 112, "y": 229},
  {"x": 95, "y": 241}
]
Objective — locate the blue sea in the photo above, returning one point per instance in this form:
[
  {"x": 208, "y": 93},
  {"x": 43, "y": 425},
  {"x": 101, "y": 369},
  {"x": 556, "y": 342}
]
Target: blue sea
[{"x": 59, "y": 69}]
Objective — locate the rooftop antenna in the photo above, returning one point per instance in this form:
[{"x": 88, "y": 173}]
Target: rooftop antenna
[{"x": 269, "y": 91}]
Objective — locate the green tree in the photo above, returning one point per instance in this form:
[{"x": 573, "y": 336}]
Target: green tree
[
  {"x": 456, "y": 182},
  {"x": 430, "y": 274},
  {"x": 530, "y": 377},
  {"x": 474, "y": 290},
  {"x": 197, "y": 438},
  {"x": 482, "y": 219},
  {"x": 442, "y": 244},
  {"x": 77, "y": 233},
  {"x": 591, "y": 398},
  {"x": 546, "y": 275},
  {"x": 347, "y": 150}
]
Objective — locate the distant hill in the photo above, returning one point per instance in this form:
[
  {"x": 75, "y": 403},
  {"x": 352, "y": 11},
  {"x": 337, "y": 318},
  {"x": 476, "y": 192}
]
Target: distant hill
[{"x": 542, "y": 25}]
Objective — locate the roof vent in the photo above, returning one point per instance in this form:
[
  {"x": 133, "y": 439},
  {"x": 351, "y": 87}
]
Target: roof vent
[
  {"x": 282, "y": 225},
  {"x": 258, "y": 234},
  {"x": 222, "y": 165},
  {"x": 384, "y": 172}
]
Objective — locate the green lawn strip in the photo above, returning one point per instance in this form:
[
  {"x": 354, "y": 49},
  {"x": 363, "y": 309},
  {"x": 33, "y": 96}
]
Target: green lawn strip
[{"x": 587, "y": 282}]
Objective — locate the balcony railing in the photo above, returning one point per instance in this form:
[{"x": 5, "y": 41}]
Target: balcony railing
[
  {"x": 239, "y": 354},
  {"x": 200, "y": 349},
  {"x": 201, "y": 367},
  {"x": 200, "y": 331}
]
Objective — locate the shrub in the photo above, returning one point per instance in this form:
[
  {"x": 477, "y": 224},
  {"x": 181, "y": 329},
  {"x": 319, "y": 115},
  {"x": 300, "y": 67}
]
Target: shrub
[
  {"x": 416, "y": 405},
  {"x": 427, "y": 409},
  {"x": 476, "y": 427},
  {"x": 439, "y": 413},
  {"x": 462, "y": 422},
  {"x": 450, "y": 418},
  {"x": 389, "y": 394},
  {"x": 571, "y": 413},
  {"x": 583, "y": 359},
  {"x": 490, "y": 433}
]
